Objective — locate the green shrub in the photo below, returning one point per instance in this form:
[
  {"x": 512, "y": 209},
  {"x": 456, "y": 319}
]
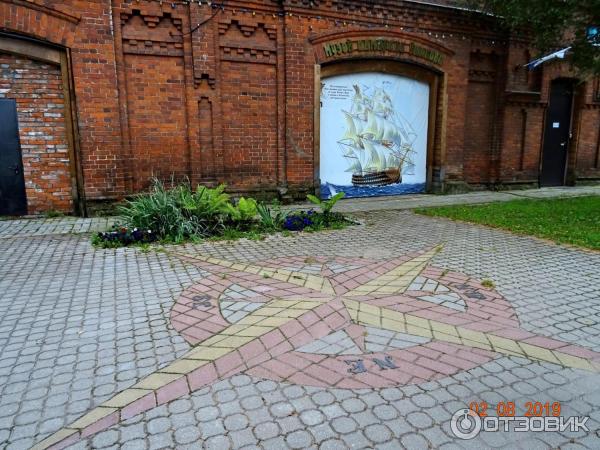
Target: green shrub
[
  {"x": 178, "y": 213},
  {"x": 244, "y": 211},
  {"x": 326, "y": 205},
  {"x": 270, "y": 218},
  {"x": 181, "y": 213}
]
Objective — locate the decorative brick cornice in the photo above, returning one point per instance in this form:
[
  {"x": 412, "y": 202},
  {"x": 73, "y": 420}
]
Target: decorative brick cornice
[{"x": 32, "y": 4}]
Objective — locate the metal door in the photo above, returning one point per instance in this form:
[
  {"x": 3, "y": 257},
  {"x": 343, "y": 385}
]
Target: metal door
[
  {"x": 12, "y": 182},
  {"x": 557, "y": 134}
]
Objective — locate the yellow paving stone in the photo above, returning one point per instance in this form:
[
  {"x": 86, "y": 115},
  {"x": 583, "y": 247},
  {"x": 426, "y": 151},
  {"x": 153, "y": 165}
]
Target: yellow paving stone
[
  {"x": 393, "y": 325},
  {"x": 232, "y": 329},
  {"x": 240, "y": 267},
  {"x": 478, "y": 344},
  {"x": 126, "y": 397},
  {"x": 53, "y": 439},
  {"x": 267, "y": 311},
  {"x": 369, "y": 319},
  {"x": 156, "y": 380},
  {"x": 472, "y": 335},
  {"x": 92, "y": 417},
  {"x": 418, "y": 331},
  {"x": 250, "y": 320},
  {"x": 533, "y": 351},
  {"x": 417, "y": 321},
  {"x": 214, "y": 340},
  {"x": 371, "y": 309},
  {"x": 266, "y": 273},
  {"x": 393, "y": 315},
  {"x": 253, "y": 331},
  {"x": 207, "y": 353},
  {"x": 444, "y": 328},
  {"x": 388, "y": 290},
  {"x": 252, "y": 269},
  {"x": 280, "y": 276},
  {"x": 283, "y": 303},
  {"x": 500, "y": 344},
  {"x": 446, "y": 337},
  {"x": 234, "y": 342},
  {"x": 273, "y": 321},
  {"x": 183, "y": 366},
  {"x": 299, "y": 276},
  {"x": 306, "y": 305},
  {"x": 574, "y": 362}
]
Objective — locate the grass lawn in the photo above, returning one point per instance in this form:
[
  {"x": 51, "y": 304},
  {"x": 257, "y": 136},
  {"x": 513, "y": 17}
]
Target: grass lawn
[{"x": 574, "y": 221}]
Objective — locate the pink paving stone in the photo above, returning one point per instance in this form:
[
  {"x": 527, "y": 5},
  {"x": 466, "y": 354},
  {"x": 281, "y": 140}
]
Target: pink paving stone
[
  {"x": 172, "y": 391},
  {"x": 251, "y": 349},
  {"x": 435, "y": 315},
  {"x": 294, "y": 359},
  {"x": 319, "y": 330},
  {"x": 210, "y": 326},
  {"x": 308, "y": 318},
  {"x": 335, "y": 321},
  {"x": 372, "y": 379},
  {"x": 70, "y": 440},
  {"x": 279, "y": 368},
  {"x": 272, "y": 338},
  {"x": 291, "y": 328},
  {"x": 545, "y": 342},
  {"x": 424, "y": 350},
  {"x": 189, "y": 338},
  {"x": 319, "y": 372},
  {"x": 323, "y": 310},
  {"x": 314, "y": 357},
  {"x": 202, "y": 376},
  {"x": 473, "y": 357},
  {"x": 437, "y": 366},
  {"x": 139, "y": 406},
  {"x": 397, "y": 376},
  {"x": 303, "y": 379},
  {"x": 460, "y": 363},
  {"x": 482, "y": 326},
  {"x": 280, "y": 348},
  {"x": 350, "y": 383},
  {"x": 102, "y": 424},
  {"x": 261, "y": 372},
  {"x": 456, "y": 319},
  {"x": 257, "y": 360},
  {"x": 580, "y": 351},
  {"x": 444, "y": 347},
  {"x": 198, "y": 333},
  {"x": 229, "y": 362},
  {"x": 300, "y": 339},
  {"x": 418, "y": 371}
]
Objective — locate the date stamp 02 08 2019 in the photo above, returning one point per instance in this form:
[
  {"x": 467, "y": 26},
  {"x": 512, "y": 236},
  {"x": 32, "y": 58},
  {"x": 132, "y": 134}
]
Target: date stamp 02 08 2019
[{"x": 467, "y": 423}]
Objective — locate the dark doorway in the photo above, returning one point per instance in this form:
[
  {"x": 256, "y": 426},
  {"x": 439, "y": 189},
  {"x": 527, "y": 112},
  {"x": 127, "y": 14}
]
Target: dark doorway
[
  {"x": 12, "y": 182},
  {"x": 557, "y": 133}
]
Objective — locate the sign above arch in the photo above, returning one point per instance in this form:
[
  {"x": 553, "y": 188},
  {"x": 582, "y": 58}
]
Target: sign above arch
[{"x": 383, "y": 44}]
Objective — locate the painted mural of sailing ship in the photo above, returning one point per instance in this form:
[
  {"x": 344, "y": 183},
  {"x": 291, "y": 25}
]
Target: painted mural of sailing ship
[{"x": 377, "y": 143}]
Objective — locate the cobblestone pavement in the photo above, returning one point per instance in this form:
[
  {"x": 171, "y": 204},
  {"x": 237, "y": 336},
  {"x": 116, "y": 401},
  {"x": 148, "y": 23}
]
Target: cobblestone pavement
[{"x": 78, "y": 326}]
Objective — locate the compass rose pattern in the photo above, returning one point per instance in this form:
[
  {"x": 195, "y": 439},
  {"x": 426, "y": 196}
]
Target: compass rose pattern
[{"x": 330, "y": 322}]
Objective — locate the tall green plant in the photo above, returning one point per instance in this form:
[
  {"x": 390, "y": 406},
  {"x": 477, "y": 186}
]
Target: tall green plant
[{"x": 326, "y": 205}]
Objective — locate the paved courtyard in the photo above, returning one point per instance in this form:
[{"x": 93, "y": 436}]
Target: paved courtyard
[{"x": 368, "y": 337}]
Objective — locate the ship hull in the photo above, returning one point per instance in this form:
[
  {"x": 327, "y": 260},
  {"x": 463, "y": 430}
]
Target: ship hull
[{"x": 382, "y": 178}]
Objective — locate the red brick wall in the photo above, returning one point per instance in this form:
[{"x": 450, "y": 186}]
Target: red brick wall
[
  {"x": 157, "y": 118},
  {"x": 234, "y": 100},
  {"x": 37, "y": 88}
]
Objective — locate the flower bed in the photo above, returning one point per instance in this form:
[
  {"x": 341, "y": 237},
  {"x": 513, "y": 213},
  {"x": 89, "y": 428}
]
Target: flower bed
[{"x": 180, "y": 213}]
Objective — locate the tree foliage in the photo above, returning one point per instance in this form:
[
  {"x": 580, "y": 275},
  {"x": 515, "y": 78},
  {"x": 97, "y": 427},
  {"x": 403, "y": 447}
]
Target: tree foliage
[{"x": 552, "y": 24}]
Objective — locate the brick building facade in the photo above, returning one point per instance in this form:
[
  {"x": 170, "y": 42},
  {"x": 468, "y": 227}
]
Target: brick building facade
[{"x": 109, "y": 93}]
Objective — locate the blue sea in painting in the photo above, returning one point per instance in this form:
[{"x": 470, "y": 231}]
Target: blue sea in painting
[{"x": 329, "y": 190}]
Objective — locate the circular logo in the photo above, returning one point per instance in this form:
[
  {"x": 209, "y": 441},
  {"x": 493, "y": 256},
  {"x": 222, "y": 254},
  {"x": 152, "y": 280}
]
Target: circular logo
[{"x": 465, "y": 424}]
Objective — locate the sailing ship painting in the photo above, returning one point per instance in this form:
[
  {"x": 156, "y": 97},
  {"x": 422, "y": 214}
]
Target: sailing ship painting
[{"x": 380, "y": 149}]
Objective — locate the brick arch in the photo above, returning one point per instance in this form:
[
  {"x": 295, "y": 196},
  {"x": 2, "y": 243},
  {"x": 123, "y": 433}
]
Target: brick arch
[
  {"x": 405, "y": 66},
  {"x": 39, "y": 21}
]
